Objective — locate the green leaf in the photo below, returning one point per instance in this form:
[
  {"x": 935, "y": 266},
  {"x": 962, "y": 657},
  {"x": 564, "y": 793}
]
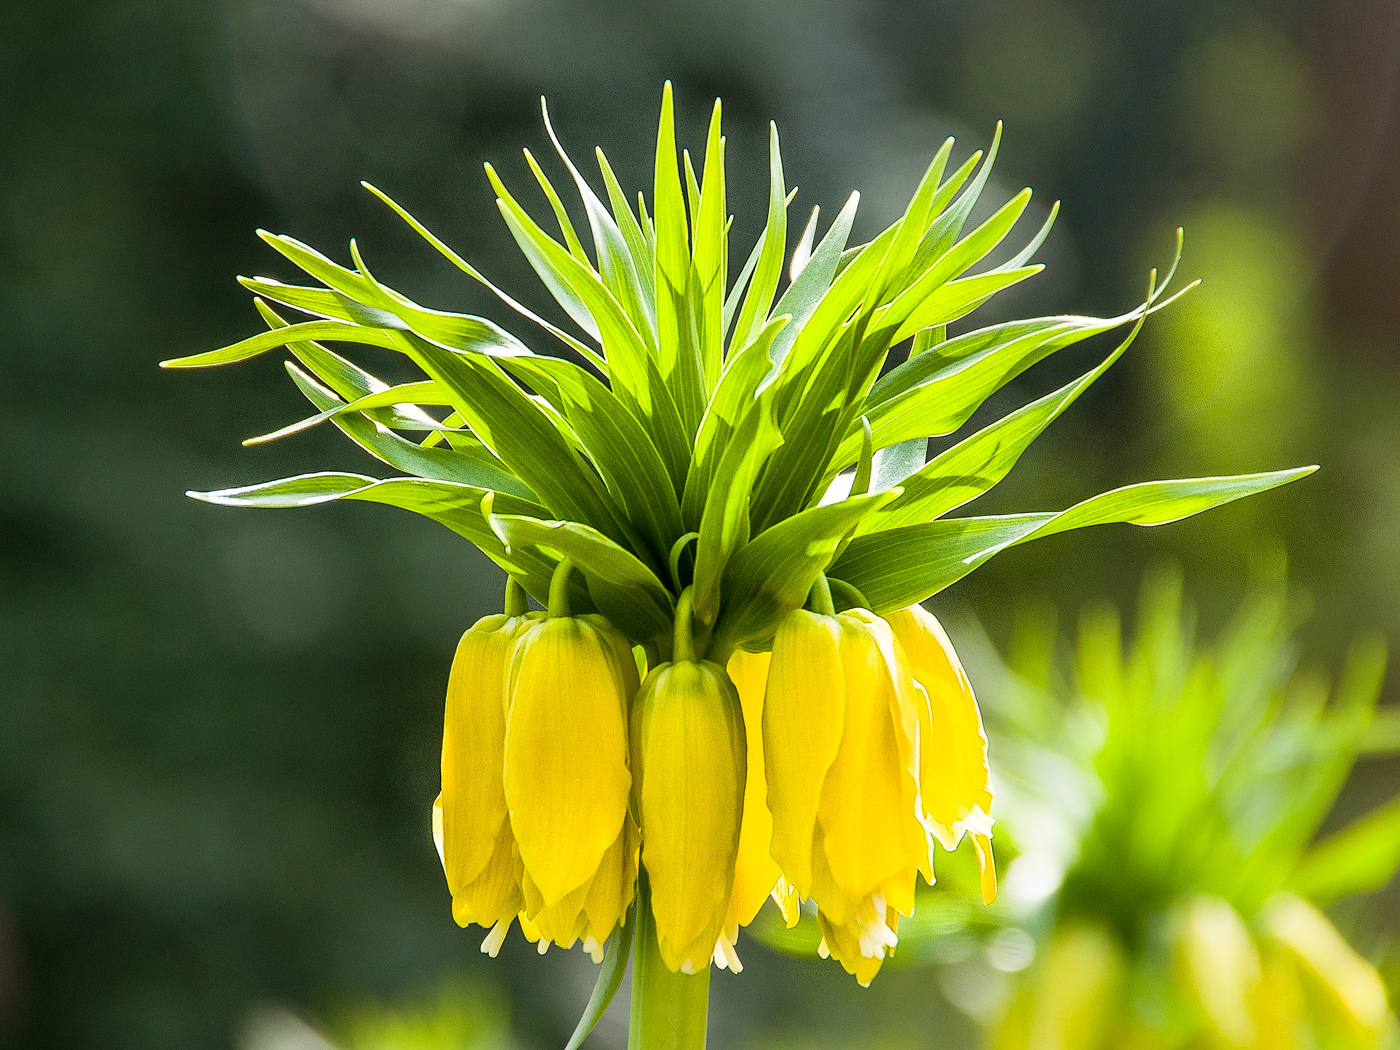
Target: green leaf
[
  {"x": 974, "y": 465},
  {"x": 774, "y": 573},
  {"x": 710, "y": 260},
  {"x": 724, "y": 525},
  {"x": 958, "y": 259},
  {"x": 893, "y": 464},
  {"x": 959, "y": 298},
  {"x": 622, "y": 588},
  {"x": 456, "y": 506},
  {"x": 753, "y": 315},
  {"x": 672, "y": 248},
  {"x": 406, "y": 396},
  {"x": 1361, "y": 858},
  {"x": 605, "y": 987},
  {"x": 911, "y": 227},
  {"x": 336, "y": 331},
  {"x": 462, "y": 465},
  {"x": 618, "y": 446},
  {"x": 583, "y": 350},
  {"x": 733, "y": 398},
  {"x": 937, "y": 391},
  {"x": 517, "y": 429},
  {"x": 944, "y": 230},
  {"x": 561, "y": 214},
  {"x": 643, "y": 256},
  {"x": 812, "y": 431},
  {"x": 899, "y": 567},
  {"x": 625, "y": 352},
  {"x": 615, "y": 257},
  {"x": 805, "y": 293}
]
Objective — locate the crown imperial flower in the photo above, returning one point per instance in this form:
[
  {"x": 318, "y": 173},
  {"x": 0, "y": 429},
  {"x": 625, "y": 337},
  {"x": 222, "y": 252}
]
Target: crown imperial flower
[
  {"x": 711, "y": 444},
  {"x": 691, "y": 753}
]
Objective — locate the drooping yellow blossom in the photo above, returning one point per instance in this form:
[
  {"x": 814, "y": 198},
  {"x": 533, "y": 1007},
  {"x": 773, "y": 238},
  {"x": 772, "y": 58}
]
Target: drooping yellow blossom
[
  {"x": 1075, "y": 1000},
  {"x": 566, "y": 776},
  {"x": 1348, "y": 983},
  {"x": 756, "y": 874},
  {"x": 841, "y": 733},
  {"x": 470, "y": 827},
  {"x": 1220, "y": 968},
  {"x": 689, "y": 759},
  {"x": 954, "y": 775}
]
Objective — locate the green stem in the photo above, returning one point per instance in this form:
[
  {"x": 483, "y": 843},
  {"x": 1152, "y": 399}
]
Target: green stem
[
  {"x": 820, "y": 598},
  {"x": 850, "y": 596},
  {"x": 677, "y": 549},
  {"x": 517, "y": 603},
  {"x": 683, "y": 642},
  {"x": 559, "y": 589},
  {"x": 668, "y": 1009}
]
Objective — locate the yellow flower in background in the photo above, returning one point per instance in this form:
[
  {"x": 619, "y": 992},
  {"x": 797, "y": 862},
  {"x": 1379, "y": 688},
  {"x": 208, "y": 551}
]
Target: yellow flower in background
[
  {"x": 841, "y": 734},
  {"x": 954, "y": 775},
  {"x": 470, "y": 827},
  {"x": 1219, "y": 966},
  {"x": 1347, "y": 983},
  {"x": 1076, "y": 999},
  {"x": 689, "y": 758},
  {"x": 566, "y": 777},
  {"x": 756, "y": 874}
]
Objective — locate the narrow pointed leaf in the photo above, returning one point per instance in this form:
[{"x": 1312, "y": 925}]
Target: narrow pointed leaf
[{"x": 902, "y": 566}]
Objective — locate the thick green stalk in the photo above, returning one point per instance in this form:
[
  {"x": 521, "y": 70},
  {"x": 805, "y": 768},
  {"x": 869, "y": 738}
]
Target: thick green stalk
[{"x": 668, "y": 1009}]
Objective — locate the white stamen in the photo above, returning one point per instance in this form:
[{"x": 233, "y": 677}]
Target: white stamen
[{"x": 491, "y": 943}]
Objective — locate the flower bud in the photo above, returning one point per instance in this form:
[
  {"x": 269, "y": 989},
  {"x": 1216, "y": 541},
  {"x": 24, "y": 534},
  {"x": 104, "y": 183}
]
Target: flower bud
[
  {"x": 567, "y": 782},
  {"x": 469, "y": 817},
  {"x": 690, "y": 747},
  {"x": 841, "y": 738},
  {"x": 954, "y": 777}
]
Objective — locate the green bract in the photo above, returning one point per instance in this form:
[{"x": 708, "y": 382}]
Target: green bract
[{"x": 699, "y": 430}]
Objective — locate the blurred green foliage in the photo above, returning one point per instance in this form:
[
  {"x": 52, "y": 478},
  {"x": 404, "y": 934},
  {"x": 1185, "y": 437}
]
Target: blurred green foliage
[
  {"x": 1159, "y": 803},
  {"x": 218, "y": 733}
]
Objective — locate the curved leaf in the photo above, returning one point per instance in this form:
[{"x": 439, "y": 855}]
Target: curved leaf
[
  {"x": 899, "y": 567},
  {"x": 622, "y": 587}
]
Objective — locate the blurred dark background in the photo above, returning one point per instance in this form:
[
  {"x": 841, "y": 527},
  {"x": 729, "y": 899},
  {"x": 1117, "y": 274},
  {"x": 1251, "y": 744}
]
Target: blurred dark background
[{"x": 219, "y": 729}]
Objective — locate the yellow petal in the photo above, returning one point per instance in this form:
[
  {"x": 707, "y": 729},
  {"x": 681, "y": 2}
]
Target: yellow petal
[
  {"x": 566, "y": 778},
  {"x": 861, "y": 945},
  {"x": 610, "y": 893},
  {"x": 473, "y": 748},
  {"x": 986, "y": 866},
  {"x": 755, "y": 872},
  {"x": 691, "y": 798},
  {"x": 802, "y": 721},
  {"x": 865, "y": 823},
  {"x": 1348, "y": 981},
  {"x": 1220, "y": 968},
  {"x": 955, "y": 780},
  {"x": 494, "y": 895}
]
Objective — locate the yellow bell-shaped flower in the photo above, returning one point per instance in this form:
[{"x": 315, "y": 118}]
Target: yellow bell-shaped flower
[
  {"x": 1349, "y": 986},
  {"x": 841, "y": 733},
  {"x": 689, "y": 756},
  {"x": 1219, "y": 968},
  {"x": 756, "y": 874},
  {"x": 567, "y": 782},
  {"x": 470, "y": 828},
  {"x": 954, "y": 776}
]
